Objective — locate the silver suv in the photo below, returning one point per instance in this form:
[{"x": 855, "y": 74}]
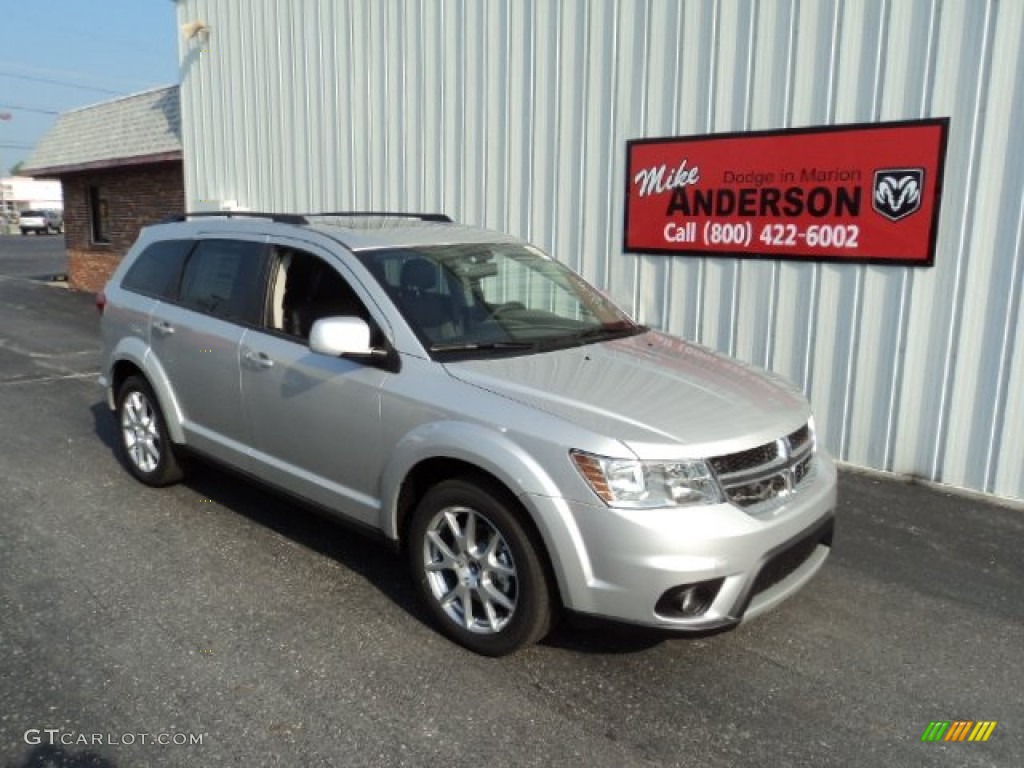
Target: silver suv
[{"x": 532, "y": 449}]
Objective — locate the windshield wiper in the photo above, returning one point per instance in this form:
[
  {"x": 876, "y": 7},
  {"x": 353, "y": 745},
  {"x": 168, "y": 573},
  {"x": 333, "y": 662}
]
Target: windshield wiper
[
  {"x": 602, "y": 332},
  {"x": 478, "y": 346}
]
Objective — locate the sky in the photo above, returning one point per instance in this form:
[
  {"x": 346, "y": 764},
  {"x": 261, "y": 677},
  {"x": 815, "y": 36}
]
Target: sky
[{"x": 63, "y": 54}]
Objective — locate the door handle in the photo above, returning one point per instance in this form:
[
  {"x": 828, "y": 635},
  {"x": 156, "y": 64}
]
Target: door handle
[
  {"x": 163, "y": 327},
  {"x": 258, "y": 359}
]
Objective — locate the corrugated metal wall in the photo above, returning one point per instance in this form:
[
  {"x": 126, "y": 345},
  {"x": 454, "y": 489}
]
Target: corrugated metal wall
[{"x": 514, "y": 114}]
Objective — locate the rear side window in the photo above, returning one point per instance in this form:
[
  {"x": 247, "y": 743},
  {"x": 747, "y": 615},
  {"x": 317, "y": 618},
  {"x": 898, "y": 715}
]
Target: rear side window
[
  {"x": 224, "y": 278},
  {"x": 157, "y": 269}
]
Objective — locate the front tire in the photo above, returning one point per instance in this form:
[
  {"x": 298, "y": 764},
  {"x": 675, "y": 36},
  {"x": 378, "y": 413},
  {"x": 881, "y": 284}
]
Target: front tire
[
  {"x": 146, "y": 448},
  {"x": 478, "y": 568}
]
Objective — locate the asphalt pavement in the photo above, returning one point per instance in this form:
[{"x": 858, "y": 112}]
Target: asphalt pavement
[
  {"x": 41, "y": 257},
  {"x": 222, "y": 615}
]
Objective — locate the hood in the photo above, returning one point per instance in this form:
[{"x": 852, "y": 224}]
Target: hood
[{"x": 661, "y": 396}]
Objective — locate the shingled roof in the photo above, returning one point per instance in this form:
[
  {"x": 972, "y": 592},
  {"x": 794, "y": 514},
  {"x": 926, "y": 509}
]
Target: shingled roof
[{"x": 142, "y": 128}]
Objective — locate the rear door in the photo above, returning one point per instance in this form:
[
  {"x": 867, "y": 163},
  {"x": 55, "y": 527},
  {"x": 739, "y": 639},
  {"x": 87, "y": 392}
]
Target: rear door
[{"x": 196, "y": 340}]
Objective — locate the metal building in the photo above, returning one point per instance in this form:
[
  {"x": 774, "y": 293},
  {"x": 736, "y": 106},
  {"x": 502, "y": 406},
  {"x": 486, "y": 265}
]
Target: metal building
[{"x": 514, "y": 114}]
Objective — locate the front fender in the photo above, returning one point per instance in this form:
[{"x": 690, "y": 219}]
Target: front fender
[
  {"x": 493, "y": 452},
  {"x": 134, "y": 350}
]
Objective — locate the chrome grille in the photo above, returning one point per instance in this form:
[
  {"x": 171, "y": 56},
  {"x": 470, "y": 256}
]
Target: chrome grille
[
  {"x": 745, "y": 460},
  {"x": 802, "y": 469},
  {"x": 767, "y": 472},
  {"x": 799, "y": 438}
]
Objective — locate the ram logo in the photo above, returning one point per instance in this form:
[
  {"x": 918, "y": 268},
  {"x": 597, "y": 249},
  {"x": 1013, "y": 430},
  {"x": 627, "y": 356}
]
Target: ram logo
[{"x": 897, "y": 192}]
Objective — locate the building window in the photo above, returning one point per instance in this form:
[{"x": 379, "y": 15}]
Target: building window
[{"x": 99, "y": 216}]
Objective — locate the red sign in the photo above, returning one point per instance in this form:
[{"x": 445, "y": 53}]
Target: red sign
[{"x": 858, "y": 193}]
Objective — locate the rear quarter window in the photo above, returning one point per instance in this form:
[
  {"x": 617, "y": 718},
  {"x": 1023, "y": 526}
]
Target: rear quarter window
[{"x": 157, "y": 270}]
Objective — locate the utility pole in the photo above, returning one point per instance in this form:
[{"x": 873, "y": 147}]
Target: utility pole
[{"x": 4, "y": 117}]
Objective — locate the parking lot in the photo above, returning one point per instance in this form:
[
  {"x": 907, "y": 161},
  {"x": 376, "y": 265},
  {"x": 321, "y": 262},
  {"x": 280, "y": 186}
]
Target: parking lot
[
  {"x": 219, "y": 612},
  {"x": 36, "y": 256}
]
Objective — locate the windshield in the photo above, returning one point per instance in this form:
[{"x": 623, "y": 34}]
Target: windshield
[{"x": 494, "y": 299}]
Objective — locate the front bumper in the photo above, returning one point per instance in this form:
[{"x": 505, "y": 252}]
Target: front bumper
[{"x": 628, "y": 560}]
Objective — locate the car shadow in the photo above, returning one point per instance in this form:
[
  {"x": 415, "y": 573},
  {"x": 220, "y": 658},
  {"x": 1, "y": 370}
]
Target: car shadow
[
  {"x": 290, "y": 517},
  {"x": 105, "y": 426},
  {"x": 586, "y": 635},
  {"x": 378, "y": 564},
  {"x": 310, "y": 527}
]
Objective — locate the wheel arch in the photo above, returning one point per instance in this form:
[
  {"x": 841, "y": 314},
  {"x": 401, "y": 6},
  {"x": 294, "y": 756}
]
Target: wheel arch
[
  {"x": 438, "y": 452},
  {"x": 131, "y": 362},
  {"x": 432, "y": 471}
]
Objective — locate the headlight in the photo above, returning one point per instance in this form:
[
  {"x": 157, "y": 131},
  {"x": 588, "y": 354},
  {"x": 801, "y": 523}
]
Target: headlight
[{"x": 643, "y": 484}]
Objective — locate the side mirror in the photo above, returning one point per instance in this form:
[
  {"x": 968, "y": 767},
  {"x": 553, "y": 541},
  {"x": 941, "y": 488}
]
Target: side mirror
[{"x": 336, "y": 336}]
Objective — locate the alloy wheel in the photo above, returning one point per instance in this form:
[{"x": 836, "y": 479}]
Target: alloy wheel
[
  {"x": 470, "y": 570},
  {"x": 140, "y": 432}
]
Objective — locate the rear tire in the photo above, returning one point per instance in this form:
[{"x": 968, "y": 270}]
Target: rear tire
[
  {"x": 478, "y": 568},
  {"x": 146, "y": 448}
]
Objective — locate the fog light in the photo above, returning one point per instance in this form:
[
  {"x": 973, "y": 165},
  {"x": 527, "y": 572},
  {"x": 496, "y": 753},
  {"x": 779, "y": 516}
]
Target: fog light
[{"x": 688, "y": 600}]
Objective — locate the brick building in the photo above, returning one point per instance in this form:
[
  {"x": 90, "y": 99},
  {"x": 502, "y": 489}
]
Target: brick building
[{"x": 120, "y": 166}]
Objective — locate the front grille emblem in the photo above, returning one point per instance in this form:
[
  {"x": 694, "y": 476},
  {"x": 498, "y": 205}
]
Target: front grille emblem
[{"x": 772, "y": 470}]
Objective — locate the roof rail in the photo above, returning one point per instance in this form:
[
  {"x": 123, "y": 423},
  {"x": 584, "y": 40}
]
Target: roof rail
[
  {"x": 281, "y": 218},
  {"x": 437, "y": 217}
]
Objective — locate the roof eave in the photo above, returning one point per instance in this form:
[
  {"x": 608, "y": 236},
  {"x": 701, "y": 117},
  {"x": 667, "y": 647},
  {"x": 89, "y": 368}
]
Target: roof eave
[{"x": 55, "y": 171}]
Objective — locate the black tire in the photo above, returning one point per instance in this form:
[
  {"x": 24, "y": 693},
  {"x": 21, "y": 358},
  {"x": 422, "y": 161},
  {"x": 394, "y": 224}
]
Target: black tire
[
  {"x": 146, "y": 449},
  {"x": 499, "y": 574}
]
